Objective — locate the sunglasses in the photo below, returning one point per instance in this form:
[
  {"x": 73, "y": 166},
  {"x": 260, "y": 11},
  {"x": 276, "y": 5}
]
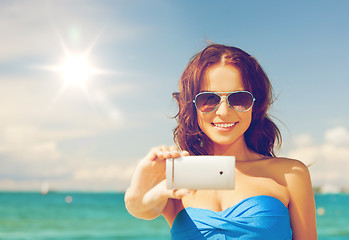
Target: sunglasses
[{"x": 207, "y": 102}]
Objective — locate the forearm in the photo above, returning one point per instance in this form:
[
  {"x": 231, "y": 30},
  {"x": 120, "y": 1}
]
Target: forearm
[
  {"x": 147, "y": 195},
  {"x": 148, "y": 206}
]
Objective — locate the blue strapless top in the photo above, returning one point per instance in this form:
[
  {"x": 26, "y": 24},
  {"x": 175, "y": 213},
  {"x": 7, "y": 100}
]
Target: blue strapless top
[{"x": 259, "y": 217}]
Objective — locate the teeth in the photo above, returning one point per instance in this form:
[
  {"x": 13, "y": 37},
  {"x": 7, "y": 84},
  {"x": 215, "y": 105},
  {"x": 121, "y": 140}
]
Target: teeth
[{"x": 224, "y": 125}]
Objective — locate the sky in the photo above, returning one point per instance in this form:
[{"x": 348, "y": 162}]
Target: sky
[{"x": 89, "y": 135}]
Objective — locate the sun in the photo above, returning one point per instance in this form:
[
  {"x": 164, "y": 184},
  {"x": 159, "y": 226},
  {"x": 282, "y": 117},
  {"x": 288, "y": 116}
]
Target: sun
[{"x": 75, "y": 70}]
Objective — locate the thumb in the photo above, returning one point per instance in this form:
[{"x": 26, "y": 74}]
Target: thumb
[
  {"x": 175, "y": 193},
  {"x": 179, "y": 193}
]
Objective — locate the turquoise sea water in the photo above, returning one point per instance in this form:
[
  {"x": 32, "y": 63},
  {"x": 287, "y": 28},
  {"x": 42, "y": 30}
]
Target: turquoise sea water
[{"x": 73, "y": 216}]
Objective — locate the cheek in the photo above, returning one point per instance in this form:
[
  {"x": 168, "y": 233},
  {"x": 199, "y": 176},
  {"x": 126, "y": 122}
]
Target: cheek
[
  {"x": 202, "y": 119},
  {"x": 247, "y": 119}
]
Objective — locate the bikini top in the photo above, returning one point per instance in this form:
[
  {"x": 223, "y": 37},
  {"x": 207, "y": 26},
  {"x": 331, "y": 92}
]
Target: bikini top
[{"x": 259, "y": 217}]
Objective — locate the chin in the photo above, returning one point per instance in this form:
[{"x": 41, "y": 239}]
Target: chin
[{"x": 228, "y": 142}]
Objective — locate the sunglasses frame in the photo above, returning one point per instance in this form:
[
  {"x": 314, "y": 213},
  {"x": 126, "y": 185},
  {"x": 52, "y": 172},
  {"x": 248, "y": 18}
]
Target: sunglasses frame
[{"x": 229, "y": 93}]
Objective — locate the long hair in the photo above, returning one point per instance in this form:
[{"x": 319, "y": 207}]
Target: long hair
[{"x": 262, "y": 134}]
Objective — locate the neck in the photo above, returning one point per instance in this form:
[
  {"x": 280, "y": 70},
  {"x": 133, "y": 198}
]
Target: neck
[{"x": 238, "y": 149}]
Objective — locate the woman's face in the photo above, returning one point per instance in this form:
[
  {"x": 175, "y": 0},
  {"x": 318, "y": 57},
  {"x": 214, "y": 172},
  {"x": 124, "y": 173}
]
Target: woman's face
[{"x": 223, "y": 126}]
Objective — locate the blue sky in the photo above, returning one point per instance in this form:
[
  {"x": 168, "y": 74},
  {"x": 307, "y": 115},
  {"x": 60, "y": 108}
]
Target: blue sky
[{"x": 92, "y": 138}]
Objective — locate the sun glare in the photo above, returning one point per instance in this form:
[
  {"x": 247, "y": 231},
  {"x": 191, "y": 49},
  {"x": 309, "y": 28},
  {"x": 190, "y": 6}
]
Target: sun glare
[{"x": 75, "y": 70}]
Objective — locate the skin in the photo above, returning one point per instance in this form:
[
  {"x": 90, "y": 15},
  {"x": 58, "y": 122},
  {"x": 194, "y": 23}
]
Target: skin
[{"x": 285, "y": 179}]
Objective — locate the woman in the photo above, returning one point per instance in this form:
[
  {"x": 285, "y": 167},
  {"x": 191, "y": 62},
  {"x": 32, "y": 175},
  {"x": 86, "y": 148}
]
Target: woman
[{"x": 223, "y": 99}]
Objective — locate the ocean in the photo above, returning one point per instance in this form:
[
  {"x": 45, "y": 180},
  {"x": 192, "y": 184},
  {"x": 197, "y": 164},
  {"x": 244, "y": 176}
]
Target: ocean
[{"x": 96, "y": 216}]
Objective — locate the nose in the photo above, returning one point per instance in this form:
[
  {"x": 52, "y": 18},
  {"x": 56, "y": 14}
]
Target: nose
[{"x": 223, "y": 108}]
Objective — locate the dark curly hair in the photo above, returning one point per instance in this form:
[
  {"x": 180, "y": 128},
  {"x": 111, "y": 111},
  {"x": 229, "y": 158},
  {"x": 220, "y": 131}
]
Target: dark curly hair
[{"x": 262, "y": 134}]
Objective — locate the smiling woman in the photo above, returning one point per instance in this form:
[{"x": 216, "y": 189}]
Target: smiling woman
[{"x": 223, "y": 99}]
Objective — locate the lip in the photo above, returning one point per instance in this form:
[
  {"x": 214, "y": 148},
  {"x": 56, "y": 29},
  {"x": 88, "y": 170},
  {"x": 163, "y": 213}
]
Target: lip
[{"x": 224, "y": 126}]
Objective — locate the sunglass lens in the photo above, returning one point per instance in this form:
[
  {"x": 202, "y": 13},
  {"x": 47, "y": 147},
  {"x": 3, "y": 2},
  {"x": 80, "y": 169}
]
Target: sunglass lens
[
  {"x": 240, "y": 101},
  {"x": 207, "y": 102}
]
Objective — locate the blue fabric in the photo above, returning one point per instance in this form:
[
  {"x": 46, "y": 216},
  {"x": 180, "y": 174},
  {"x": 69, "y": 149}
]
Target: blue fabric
[{"x": 259, "y": 217}]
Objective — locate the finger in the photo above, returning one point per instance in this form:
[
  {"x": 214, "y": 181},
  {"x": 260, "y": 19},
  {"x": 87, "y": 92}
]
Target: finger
[
  {"x": 170, "y": 152},
  {"x": 174, "y": 152},
  {"x": 172, "y": 193},
  {"x": 179, "y": 193},
  {"x": 158, "y": 153},
  {"x": 153, "y": 154},
  {"x": 185, "y": 153},
  {"x": 164, "y": 152}
]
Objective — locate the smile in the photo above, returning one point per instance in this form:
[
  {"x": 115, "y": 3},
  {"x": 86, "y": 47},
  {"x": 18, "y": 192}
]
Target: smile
[{"x": 223, "y": 125}]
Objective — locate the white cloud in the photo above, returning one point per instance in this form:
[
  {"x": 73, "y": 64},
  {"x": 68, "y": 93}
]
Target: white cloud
[
  {"x": 302, "y": 140},
  {"x": 108, "y": 176},
  {"x": 39, "y": 28},
  {"x": 27, "y": 143},
  {"x": 35, "y": 122},
  {"x": 338, "y": 136},
  {"x": 32, "y": 100},
  {"x": 329, "y": 160},
  {"x": 107, "y": 173}
]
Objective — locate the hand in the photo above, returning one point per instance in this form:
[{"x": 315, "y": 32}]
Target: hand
[{"x": 147, "y": 195}]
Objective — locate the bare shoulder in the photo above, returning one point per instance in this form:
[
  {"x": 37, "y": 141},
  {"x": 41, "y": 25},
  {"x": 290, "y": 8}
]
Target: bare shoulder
[
  {"x": 290, "y": 173},
  {"x": 296, "y": 175},
  {"x": 289, "y": 162},
  {"x": 290, "y": 167}
]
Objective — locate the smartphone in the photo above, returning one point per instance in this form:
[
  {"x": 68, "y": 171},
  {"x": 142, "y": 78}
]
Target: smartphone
[{"x": 201, "y": 172}]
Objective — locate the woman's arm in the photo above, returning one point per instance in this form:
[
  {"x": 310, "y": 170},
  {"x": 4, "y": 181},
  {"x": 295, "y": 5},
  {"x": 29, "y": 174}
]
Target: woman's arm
[
  {"x": 302, "y": 203},
  {"x": 147, "y": 195}
]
